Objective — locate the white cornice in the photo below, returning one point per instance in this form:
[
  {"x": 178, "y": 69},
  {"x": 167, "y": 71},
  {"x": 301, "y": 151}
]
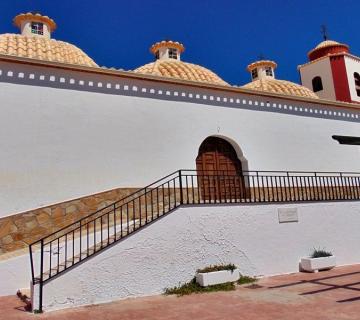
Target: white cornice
[{"x": 158, "y": 79}]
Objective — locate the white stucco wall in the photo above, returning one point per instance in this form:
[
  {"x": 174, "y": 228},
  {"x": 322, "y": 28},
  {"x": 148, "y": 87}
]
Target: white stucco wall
[
  {"x": 15, "y": 272},
  {"x": 169, "y": 251},
  {"x": 321, "y": 68},
  {"x": 352, "y": 65},
  {"x": 66, "y": 134}
]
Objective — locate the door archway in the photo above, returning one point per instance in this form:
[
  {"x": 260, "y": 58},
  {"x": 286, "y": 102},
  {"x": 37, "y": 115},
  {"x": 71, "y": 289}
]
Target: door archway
[{"x": 219, "y": 170}]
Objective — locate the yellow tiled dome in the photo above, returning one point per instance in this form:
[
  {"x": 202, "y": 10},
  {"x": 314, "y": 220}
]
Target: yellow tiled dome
[
  {"x": 42, "y": 48},
  {"x": 180, "y": 70},
  {"x": 281, "y": 87}
]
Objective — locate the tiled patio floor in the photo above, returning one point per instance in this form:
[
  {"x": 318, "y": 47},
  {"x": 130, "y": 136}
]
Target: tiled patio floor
[{"x": 325, "y": 295}]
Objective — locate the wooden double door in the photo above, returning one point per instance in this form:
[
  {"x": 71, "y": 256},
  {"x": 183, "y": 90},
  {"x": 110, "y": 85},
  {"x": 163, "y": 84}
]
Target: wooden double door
[{"x": 219, "y": 171}]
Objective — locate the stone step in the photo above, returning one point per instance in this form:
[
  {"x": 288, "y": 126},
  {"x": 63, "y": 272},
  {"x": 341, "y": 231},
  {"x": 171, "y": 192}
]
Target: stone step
[{"x": 93, "y": 249}]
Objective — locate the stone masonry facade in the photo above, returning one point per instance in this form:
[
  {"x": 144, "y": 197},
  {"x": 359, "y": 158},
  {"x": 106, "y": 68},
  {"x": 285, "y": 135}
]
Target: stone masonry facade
[{"x": 19, "y": 230}]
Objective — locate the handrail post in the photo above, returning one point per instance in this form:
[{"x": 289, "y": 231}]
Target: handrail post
[
  {"x": 288, "y": 185},
  {"x": 41, "y": 274},
  {"x": 31, "y": 264},
  {"x": 80, "y": 239},
  {"x": 317, "y": 187},
  {"x": 181, "y": 189},
  {"x": 342, "y": 189}
]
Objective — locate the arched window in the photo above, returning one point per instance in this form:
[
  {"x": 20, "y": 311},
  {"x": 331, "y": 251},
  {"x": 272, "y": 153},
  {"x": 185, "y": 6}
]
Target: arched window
[
  {"x": 317, "y": 84},
  {"x": 357, "y": 83}
]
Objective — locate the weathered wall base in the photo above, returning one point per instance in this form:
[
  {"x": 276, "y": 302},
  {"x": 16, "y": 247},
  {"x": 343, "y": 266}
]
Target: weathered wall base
[{"x": 169, "y": 251}]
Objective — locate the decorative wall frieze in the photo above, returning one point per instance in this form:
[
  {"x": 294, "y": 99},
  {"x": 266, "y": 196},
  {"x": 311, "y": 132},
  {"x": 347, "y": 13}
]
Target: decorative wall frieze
[{"x": 121, "y": 86}]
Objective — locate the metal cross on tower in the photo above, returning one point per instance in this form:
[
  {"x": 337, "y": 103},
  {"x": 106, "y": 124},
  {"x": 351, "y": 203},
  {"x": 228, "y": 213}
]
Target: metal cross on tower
[{"x": 324, "y": 32}]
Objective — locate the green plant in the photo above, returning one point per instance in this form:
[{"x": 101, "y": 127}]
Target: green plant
[
  {"x": 246, "y": 279},
  {"x": 318, "y": 253},
  {"x": 36, "y": 311},
  {"x": 194, "y": 287},
  {"x": 230, "y": 267}
]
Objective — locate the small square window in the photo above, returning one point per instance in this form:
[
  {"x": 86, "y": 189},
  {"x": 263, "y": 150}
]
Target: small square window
[
  {"x": 157, "y": 55},
  {"x": 254, "y": 74},
  {"x": 268, "y": 71},
  {"x": 173, "y": 53},
  {"x": 37, "y": 28}
]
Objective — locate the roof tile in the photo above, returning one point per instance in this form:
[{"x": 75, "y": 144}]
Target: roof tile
[
  {"x": 180, "y": 70},
  {"x": 43, "y": 49},
  {"x": 281, "y": 87}
]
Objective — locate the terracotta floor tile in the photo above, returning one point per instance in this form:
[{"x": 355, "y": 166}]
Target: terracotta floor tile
[{"x": 329, "y": 295}]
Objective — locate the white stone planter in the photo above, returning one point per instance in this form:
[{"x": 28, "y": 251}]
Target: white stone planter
[
  {"x": 217, "y": 277},
  {"x": 316, "y": 264}
]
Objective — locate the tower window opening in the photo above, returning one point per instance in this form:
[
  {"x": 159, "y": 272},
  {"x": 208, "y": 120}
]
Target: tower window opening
[
  {"x": 317, "y": 84},
  {"x": 268, "y": 71},
  {"x": 157, "y": 55},
  {"x": 254, "y": 74},
  {"x": 173, "y": 53},
  {"x": 357, "y": 83},
  {"x": 37, "y": 28}
]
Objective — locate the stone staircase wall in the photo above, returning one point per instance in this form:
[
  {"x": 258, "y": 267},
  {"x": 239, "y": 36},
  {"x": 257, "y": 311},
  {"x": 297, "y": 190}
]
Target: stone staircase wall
[{"x": 19, "y": 230}]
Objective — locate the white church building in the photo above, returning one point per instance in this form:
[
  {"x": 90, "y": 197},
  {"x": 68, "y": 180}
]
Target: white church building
[{"x": 117, "y": 184}]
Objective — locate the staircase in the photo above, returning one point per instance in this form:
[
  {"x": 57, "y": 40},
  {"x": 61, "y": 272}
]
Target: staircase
[{"x": 79, "y": 241}]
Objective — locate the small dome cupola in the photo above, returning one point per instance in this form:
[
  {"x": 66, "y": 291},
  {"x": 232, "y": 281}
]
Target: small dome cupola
[
  {"x": 167, "y": 49},
  {"x": 169, "y": 65},
  {"x": 327, "y": 47},
  {"x": 35, "y": 42},
  {"x": 263, "y": 69},
  {"x": 35, "y": 24},
  {"x": 263, "y": 79}
]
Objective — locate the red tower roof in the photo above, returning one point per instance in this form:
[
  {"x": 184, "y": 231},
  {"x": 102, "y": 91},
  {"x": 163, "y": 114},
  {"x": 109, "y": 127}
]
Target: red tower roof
[{"x": 327, "y": 47}]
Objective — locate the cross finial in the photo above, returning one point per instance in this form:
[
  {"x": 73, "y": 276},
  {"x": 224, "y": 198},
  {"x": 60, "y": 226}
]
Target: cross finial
[
  {"x": 324, "y": 32},
  {"x": 261, "y": 56}
]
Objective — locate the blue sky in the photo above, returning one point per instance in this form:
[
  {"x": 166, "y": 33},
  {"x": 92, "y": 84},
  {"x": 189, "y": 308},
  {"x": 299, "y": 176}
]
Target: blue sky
[{"x": 224, "y": 35}]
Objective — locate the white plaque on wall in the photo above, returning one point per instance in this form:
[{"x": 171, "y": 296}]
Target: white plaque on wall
[{"x": 288, "y": 215}]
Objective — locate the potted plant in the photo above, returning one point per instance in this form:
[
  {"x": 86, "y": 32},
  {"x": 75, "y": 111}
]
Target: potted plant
[
  {"x": 318, "y": 260},
  {"x": 217, "y": 274}
]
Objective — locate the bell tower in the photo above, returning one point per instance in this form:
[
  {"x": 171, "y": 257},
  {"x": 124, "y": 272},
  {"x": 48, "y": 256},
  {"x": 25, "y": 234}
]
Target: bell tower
[{"x": 332, "y": 72}]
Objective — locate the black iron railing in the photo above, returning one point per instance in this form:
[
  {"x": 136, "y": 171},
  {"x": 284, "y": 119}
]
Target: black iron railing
[{"x": 65, "y": 248}]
